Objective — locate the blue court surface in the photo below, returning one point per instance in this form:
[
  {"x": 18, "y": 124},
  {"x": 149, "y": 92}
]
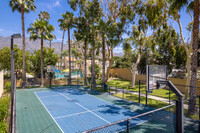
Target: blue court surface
[{"x": 75, "y": 111}]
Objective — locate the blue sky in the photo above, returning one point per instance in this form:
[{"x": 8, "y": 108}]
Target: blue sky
[{"x": 11, "y": 22}]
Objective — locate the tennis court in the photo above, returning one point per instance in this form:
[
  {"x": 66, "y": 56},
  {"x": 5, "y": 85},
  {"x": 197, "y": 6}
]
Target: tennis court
[{"x": 76, "y": 111}]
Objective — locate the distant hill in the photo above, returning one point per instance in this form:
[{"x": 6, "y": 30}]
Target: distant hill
[
  {"x": 30, "y": 45},
  {"x": 35, "y": 45},
  {"x": 118, "y": 54}
]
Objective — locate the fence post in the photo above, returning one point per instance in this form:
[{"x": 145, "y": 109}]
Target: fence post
[
  {"x": 179, "y": 116},
  {"x": 169, "y": 95},
  {"x": 139, "y": 91},
  {"x": 115, "y": 90},
  {"x": 50, "y": 79},
  {"x": 128, "y": 126},
  {"x": 109, "y": 90},
  {"x": 199, "y": 112},
  {"x": 146, "y": 97}
]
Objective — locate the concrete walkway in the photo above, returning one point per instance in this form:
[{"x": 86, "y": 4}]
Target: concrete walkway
[{"x": 118, "y": 90}]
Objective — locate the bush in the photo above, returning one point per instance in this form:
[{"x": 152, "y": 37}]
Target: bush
[
  {"x": 7, "y": 76},
  {"x": 8, "y": 86},
  {"x": 3, "y": 127},
  {"x": 4, "y": 106}
]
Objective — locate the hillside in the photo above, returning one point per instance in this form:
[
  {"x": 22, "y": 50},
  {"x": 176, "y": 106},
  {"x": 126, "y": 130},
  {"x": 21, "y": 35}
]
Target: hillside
[{"x": 35, "y": 45}]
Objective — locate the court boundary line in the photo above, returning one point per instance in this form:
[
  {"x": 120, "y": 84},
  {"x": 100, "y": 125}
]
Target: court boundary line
[
  {"x": 86, "y": 109},
  {"x": 49, "y": 96},
  {"x": 65, "y": 116},
  {"x": 49, "y": 112}
]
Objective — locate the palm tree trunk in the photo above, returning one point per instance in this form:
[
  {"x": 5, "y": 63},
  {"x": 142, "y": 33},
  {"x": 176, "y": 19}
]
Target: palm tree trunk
[
  {"x": 85, "y": 60},
  {"x": 93, "y": 66},
  {"x": 42, "y": 58},
  {"x": 50, "y": 43},
  {"x": 103, "y": 62},
  {"x": 110, "y": 59},
  {"x": 24, "y": 48},
  {"x": 69, "y": 80},
  {"x": 192, "y": 102},
  {"x": 62, "y": 40}
]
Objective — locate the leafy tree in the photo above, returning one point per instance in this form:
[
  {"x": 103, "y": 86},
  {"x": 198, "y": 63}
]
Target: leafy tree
[
  {"x": 5, "y": 59},
  {"x": 115, "y": 18},
  {"x": 50, "y": 58},
  {"x": 41, "y": 29},
  {"x": 23, "y": 6},
  {"x": 166, "y": 44}
]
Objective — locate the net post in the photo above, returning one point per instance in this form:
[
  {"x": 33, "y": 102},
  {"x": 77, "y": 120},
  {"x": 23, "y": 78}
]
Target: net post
[
  {"x": 179, "y": 115},
  {"x": 128, "y": 126},
  {"x": 139, "y": 91}
]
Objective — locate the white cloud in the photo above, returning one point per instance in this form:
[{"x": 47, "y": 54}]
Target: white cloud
[
  {"x": 50, "y": 6},
  {"x": 57, "y": 3}
]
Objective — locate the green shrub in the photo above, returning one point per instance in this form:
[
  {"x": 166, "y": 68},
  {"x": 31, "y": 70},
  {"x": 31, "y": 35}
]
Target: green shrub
[
  {"x": 3, "y": 127},
  {"x": 4, "y": 106},
  {"x": 7, "y": 76},
  {"x": 8, "y": 86}
]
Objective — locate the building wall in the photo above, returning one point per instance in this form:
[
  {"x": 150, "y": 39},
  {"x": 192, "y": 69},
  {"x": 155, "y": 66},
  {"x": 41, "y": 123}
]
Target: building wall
[{"x": 1, "y": 83}]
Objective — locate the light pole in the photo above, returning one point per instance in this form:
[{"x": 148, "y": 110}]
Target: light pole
[
  {"x": 147, "y": 77},
  {"x": 13, "y": 84}
]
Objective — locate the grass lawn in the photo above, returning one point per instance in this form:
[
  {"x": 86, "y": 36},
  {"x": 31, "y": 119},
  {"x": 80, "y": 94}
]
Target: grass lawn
[{"x": 164, "y": 93}]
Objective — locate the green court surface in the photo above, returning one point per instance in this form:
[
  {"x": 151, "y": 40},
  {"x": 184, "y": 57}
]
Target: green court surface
[{"x": 32, "y": 117}]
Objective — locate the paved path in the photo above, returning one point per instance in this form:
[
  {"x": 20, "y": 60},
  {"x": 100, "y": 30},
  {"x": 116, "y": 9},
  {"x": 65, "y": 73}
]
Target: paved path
[{"x": 144, "y": 95}]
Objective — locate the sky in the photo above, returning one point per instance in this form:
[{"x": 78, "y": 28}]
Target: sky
[{"x": 11, "y": 22}]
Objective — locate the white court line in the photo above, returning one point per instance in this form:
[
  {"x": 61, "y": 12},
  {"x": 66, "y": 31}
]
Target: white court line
[
  {"x": 49, "y": 113},
  {"x": 49, "y": 96},
  {"x": 86, "y": 109},
  {"x": 77, "y": 113}
]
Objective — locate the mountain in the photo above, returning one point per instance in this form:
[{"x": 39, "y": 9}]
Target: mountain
[
  {"x": 35, "y": 45},
  {"x": 30, "y": 45},
  {"x": 118, "y": 54}
]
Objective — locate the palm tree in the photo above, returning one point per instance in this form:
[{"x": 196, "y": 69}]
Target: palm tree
[
  {"x": 191, "y": 5},
  {"x": 69, "y": 24},
  {"x": 41, "y": 29},
  {"x": 63, "y": 26},
  {"x": 81, "y": 34},
  {"x": 51, "y": 37},
  {"x": 103, "y": 29},
  {"x": 192, "y": 102},
  {"x": 23, "y": 6},
  {"x": 94, "y": 13}
]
